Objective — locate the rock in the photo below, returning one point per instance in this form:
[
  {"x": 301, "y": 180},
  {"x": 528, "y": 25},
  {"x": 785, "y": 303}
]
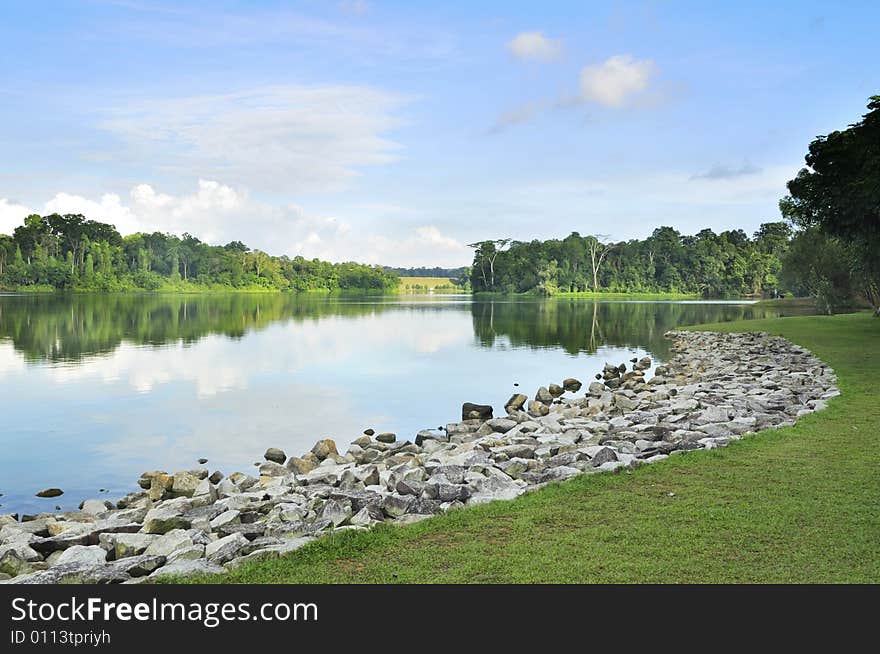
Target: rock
[
  {"x": 84, "y": 554},
  {"x": 596, "y": 389},
  {"x": 367, "y": 516},
  {"x": 538, "y": 409},
  {"x": 386, "y": 438},
  {"x": 273, "y": 469},
  {"x": 518, "y": 451},
  {"x": 169, "y": 543},
  {"x": 324, "y": 448},
  {"x": 164, "y": 518},
  {"x": 337, "y": 513},
  {"x": 625, "y": 403},
  {"x": 544, "y": 396},
  {"x": 203, "y": 461},
  {"x": 125, "y": 545},
  {"x": 95, "y": 507},
  {"x": 231, "y": 517},
  {"x": 471, "y": 411},
  {"x": 275, "y": 455},
  {"x": 186, "y": 568},
  {"x": 225, "y": 549},
  {"x": 369, "y": 432},
  {"x": 396, "y": 505},
  {"x": 300, "y": 466},
  {"x": 571, "y": 384},
  {"x": 604, "y": 455},
  {"x": 138, "y": 566},
  {"x": 501, "y": 425},
  {"x": 216, "y": 477},
  {"x": 50, "y": 492},
  {"x": 160, "y": 484},
  {"x": 516, "y": 402},
  {"x": 184, "y": 484},
  {"x": 14, "y": 565}
]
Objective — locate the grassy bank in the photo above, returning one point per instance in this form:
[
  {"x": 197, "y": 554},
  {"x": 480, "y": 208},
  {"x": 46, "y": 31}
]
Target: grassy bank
[{"x": 797, "y": 504}]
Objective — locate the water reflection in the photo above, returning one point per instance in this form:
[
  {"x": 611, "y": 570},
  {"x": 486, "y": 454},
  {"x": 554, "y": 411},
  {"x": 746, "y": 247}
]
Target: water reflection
[{"x": 95, "y": 389}]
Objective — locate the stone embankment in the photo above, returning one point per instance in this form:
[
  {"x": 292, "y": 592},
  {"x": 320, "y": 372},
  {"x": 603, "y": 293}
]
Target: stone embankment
[{"x": 716, "y": 388}]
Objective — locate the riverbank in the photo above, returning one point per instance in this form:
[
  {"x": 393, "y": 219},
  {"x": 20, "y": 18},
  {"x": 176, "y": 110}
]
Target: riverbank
[
  {"x": 191, "y": 522},
  {"x": 791, "y": 505}
]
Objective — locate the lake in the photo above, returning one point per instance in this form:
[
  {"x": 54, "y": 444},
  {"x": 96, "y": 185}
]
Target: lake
[{"x": 95, "y": 389}]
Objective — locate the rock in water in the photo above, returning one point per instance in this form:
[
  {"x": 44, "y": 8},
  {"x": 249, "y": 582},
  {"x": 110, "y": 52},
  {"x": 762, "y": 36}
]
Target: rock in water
[
  {"x": 471, "y": 411},
  {"x": 275, "y": 455},
  {"x": 50, "y": 492},
  {"x": 556, "y": 390},
  {"x": 543, "y": 395},
  {"x": 386, "y": 438},
  {"x": 571, "y": 384}
]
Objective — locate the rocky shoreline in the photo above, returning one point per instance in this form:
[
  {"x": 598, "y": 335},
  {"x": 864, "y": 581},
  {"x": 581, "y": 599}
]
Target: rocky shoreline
[{"x": 715, "y": 389}]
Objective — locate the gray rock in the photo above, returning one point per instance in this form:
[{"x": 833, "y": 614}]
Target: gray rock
[
  {"x": 225, "y": 549},
  {"x": 604, "y": 455},
  {"x": 164, "y": 518},
  {"x": 275, "y": 455},
  {"x": 84, "y": 554}
]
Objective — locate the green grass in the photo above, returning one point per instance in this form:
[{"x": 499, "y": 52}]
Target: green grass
[
  {"x": 424, "y": 283},
  {"x": 799, "y": 504}
]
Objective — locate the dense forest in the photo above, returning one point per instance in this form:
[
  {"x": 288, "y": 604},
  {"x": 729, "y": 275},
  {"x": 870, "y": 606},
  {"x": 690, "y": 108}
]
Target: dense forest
[
  {"x": 729, "y": 264},
  {"x": 828, "y": 247},
  {"x": 72, "y": 252}
]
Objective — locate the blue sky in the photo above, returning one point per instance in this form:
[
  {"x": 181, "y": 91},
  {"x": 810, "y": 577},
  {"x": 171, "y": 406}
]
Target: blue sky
[{"x": 398, "y": 132}]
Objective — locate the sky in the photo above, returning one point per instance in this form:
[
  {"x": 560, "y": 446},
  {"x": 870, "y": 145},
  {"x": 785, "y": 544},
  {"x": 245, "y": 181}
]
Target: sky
[{"x": 399, "y": 132}]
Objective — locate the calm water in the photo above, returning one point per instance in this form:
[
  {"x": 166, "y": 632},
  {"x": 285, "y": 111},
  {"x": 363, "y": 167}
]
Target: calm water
[{"x": 95, "y": 389}]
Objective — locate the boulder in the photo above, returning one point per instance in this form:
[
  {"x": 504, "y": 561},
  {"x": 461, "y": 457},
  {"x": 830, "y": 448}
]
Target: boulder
[
  {"x": 324, "y": 448},
  {"x": 604, "y": 455},
  {"x": 50, "y": 492},
  {"x": 544, "y": 396},
  {"x": 275, "y": 455},
  {"x": 225, "y": 549},
  {"x": 187, "y": 568},
  {"x": 301, "y": 466},
  {"x": 184, "y": 484},
  {"x": 538, "y": 408},
  {"x": 84, "y": 554},
  {"x": 571, "y": 384},
  {"x": 556, "y": 390},
  {"x": 471, "y": 411},
  {"x": 166, "y": 517},
  {"x": 386, "y": 437},
  {"x": 516, "y": 402}
]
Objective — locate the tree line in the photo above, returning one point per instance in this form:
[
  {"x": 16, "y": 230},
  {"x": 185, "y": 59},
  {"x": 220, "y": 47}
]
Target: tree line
[
  {"x": 708, "y": 264},
  {"x": 72, "y": 252}
]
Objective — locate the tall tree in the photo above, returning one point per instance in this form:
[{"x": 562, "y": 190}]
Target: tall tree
[{"x": 839, "y": 192}]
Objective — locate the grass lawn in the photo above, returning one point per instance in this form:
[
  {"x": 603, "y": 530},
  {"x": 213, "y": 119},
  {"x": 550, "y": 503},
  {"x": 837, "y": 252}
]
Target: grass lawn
[{"x": 799, "y": 504}]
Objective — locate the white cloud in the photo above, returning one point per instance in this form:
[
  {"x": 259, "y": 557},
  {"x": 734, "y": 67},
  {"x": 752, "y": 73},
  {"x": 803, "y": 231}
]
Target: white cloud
[
  {"x": 12, "y": 214},
  {"x": 295, "y": 138},
  {"x": 534, "y": 46},
  {"x": 615, "y": 80},
  {"x": 217, "y": 213},
  {"x": 426, "y": 242}
]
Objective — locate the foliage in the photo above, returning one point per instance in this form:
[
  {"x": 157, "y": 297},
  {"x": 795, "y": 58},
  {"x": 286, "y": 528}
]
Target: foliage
[
  {"x": 729, "y": 264},
  {"x": 71, "y": 252},
  {"x": 838, "y": 194}
]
